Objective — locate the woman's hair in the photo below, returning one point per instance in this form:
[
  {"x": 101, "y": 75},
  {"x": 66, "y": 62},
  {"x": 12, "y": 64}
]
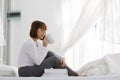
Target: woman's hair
[{"x": 35, "y": 26}]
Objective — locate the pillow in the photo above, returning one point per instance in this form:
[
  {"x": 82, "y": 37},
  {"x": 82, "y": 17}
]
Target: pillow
[
  {"x": 100, "y": 69},
  {"x": 7, "y": 71},
  {"x": 113, "y": 62},
  {"x": 94, "y": 68}
]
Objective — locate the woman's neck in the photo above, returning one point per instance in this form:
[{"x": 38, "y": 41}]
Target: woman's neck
[{"x": 35, "y": 39}]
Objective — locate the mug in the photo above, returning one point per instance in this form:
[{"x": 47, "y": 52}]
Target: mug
[{"x": 50, "y": 39}]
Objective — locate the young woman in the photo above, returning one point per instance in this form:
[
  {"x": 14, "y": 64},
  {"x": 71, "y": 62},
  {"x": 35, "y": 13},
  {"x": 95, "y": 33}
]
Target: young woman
[{"x": 34, "y": 57}]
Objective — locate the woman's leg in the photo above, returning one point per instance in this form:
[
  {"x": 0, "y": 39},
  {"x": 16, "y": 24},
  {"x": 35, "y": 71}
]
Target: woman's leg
[
  {"x": 23, "y": 71},
  {"x": 55, "y": 63},
  {"x": 38, "y": 70},
  {"x": 70, "y": 71},
  {"x": 49, "y": 54}
]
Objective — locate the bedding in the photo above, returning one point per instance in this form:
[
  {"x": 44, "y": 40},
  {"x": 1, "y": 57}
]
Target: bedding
[
  {"x": 113, "y": 62},
  {"x": 63, "y": 78},
  {"x": 108, "y": 65},
  {"x": 8, "y": 71},
  {"x": 94, "y": 68}
]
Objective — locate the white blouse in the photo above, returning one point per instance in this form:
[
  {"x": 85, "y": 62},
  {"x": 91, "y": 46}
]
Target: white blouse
[{"x": 31, "y": 54}]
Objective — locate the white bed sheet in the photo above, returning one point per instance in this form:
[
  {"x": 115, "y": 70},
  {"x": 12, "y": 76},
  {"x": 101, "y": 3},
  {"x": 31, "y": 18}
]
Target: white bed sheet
[{"x": 63, "y": 78}]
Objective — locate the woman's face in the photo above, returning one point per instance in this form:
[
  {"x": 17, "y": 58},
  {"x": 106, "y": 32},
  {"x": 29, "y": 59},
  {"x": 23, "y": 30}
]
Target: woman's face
[{"x": 41, "y": 33}]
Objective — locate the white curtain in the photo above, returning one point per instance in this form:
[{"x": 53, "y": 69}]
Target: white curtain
[
  {"x": 2, "y": 41},
  {"x": 109, "y": 26},
  {"x": 79, "y": 20},
  {"x": 90, "y": 13},
  {"x": 86, "y": 37}
]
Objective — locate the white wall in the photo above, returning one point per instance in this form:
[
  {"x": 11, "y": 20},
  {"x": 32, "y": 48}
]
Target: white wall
[{"x": 44, "y": 10}]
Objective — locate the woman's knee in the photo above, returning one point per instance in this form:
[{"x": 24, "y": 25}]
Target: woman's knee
[
  {"x": 49, "y": 54},
  {"x": 56, "y": 59}
]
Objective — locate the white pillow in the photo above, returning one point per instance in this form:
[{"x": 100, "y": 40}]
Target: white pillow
[
  {"x": 94, "y": 68},
  {"x": 113, "y": 62},
  {"x": 7, "y": 71},
  {"x": 100, "y": 69}
]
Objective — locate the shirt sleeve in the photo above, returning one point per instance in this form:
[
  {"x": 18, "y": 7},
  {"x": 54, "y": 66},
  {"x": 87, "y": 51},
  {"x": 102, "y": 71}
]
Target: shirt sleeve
[{"x": 36, "y": 53}]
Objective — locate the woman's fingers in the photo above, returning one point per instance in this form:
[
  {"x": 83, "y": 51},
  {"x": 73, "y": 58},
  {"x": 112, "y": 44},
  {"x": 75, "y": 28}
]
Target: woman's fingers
[
  {"x": 45, "y": 42},
  {"x": 63, "y": 64}
]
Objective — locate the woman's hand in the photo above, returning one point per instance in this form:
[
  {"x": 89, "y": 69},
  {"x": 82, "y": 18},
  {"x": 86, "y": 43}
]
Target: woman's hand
[
  {"x": 63, "y": 63},
  {"x": 45, "y": 42}
]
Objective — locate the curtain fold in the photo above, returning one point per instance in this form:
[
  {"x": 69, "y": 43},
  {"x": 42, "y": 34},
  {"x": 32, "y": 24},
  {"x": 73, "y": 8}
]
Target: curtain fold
[
  {"x": 90, "y": 14},
  {"x": 109, "y": 25},
  {"x": 94, "y": 31},
  {"x": 2, "y": 40}
]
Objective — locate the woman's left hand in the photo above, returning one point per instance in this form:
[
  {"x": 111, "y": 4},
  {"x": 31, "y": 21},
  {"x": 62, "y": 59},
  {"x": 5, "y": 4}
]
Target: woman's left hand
[
  {"x": 45, "y": 42},
  {"x": 63, "y": 63}
]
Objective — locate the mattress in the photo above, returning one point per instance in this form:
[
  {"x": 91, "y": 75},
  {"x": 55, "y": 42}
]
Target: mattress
[{"x": 63, "y": 78}]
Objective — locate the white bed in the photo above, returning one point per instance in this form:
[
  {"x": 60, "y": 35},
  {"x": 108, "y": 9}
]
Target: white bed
[
  {"x": 63, "y": 78},
  {"x": 106, "y": 68}
]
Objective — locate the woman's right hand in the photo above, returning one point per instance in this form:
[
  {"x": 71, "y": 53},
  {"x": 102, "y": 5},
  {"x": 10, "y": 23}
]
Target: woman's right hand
[
  {"x": 63, "y": 63},
  {"x": 45, "y": 42}
]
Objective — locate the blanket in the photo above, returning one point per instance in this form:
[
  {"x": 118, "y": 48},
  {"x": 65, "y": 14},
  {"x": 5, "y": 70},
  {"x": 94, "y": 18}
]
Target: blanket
[{"x": 108, "y": 65}]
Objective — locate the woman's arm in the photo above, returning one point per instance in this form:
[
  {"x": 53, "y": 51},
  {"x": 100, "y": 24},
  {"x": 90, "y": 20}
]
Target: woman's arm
[{"x": 37, "y": 54}]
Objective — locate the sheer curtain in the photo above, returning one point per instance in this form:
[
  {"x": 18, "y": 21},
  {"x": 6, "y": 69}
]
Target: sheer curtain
[
  {"x": 79, "y": 19},
  {"x": 108, "y": 28},
  {"x": 87, "y": 34},
  {"x": 91, "y": 11},
  {"x": 2, "y": 40}
]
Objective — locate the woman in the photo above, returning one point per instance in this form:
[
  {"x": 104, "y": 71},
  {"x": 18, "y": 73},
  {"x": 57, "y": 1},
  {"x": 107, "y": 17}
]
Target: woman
[{"x": 34, "y": 57}]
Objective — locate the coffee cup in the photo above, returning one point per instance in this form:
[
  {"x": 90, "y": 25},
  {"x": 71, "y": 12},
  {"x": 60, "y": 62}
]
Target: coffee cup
[{"x": 50, "y": 39}]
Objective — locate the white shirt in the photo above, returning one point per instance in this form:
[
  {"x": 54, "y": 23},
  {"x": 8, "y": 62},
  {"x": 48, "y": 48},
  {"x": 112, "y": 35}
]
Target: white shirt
[{"x": 30, "y": 54}]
